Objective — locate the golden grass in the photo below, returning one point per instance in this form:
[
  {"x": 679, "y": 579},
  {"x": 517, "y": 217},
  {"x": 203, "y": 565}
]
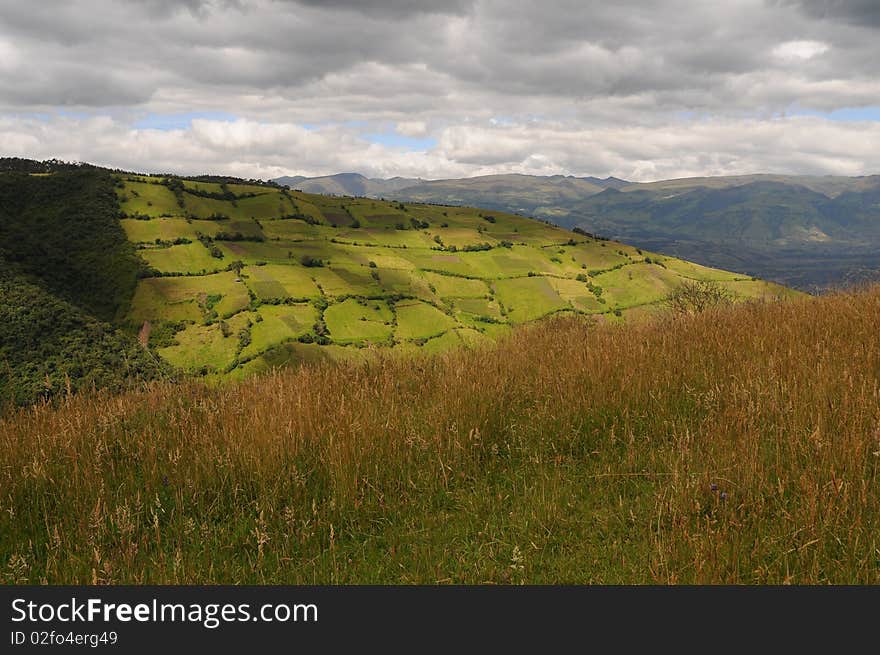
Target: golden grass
[{"x": 738, "y": 446}]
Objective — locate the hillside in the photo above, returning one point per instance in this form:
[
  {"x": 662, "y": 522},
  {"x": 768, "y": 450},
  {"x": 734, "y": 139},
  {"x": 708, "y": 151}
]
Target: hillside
[
  {"x": 62, "y": 228},
  {"x": 246, "y": 278},
  {"x": 736, "y": 446},
  {"x": 49, "y": 347},
  {"x": 66, "y": 272}
]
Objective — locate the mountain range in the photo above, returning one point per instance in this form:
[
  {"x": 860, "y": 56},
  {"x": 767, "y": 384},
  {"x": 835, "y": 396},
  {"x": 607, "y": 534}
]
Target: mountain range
[{"x": 811, "y": 232}]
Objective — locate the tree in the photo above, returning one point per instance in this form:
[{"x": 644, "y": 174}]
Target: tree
[
  {"x": 310, "y": 262},
  {"x": 236, "y": 266},
  {"x": 694, "y": 297}
]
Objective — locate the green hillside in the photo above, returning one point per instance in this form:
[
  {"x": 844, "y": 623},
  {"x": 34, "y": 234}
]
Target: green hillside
[{"x": 244, "y": 278}]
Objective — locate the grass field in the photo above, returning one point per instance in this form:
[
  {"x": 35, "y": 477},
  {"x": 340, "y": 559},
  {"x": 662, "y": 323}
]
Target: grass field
[
  {"x": 186, "y": 258},
  {"x": 454, "y": 275},
  {"x": 277, "y": 324},
  {"x": 419, "y": 320},
  {"x": 735, "y": 446},
  {"x": 353, "y": 321}
]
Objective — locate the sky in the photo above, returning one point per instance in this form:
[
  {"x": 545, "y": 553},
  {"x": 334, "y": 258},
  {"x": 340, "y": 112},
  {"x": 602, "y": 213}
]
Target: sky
[{"x": 638, "y": 89}]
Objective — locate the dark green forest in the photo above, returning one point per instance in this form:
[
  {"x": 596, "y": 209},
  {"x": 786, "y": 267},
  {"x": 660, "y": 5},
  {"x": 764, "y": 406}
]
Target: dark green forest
[
  {"x": 63, "y": 229},
  {"x": 67, "y": 272},
  {"x": 49, "y": 346}
]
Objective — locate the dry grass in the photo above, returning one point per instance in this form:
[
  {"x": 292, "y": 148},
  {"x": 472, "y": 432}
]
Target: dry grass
[{"x": 737, "y": 446}]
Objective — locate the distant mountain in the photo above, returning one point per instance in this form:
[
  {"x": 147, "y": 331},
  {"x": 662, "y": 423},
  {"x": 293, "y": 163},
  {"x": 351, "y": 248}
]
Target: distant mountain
[
  {"x": 522, "y": 193},
  {"x": 541, "y": 196},
  {"x": 804, "y": 232},
  {"x": 829, "y": 185},
  {"x": 607, "y": 182},
  {"x": 347, "y": 184}
]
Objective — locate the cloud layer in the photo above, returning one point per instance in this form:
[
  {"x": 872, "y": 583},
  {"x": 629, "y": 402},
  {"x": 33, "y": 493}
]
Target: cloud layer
[{"x": 637, "y": 89}]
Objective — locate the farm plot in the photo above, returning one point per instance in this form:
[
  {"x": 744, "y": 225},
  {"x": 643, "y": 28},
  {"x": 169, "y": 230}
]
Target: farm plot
[
  {"x": 168, "y": 229},
  {"x": 251, "y": 252},
  {"x": 207, "y": 345},
  {"x": 528, "y": 298},
  {"x": 354, "y": 321},
  {"x": 179, "y": 298},
  {"x": 339, "y": 281},
  {"x": 578, "y": 294},
  {"x": 419, "y": 320},
  {"x": 637, "y": 284},
  {"x": 279, "y": 282},
  {"x": 478, "y": 307},
  {"x": 266, "y": 205},
  {"x": 292, "y": 354},
  {"x": 456, "y": 338},
  {"x": 277, "y": 324},
  {"x": 290, "y": 230},
  {"x": 191, "y": 258},
  {"x": 405, "y": 283},
  {"x": 448, "y": 286},
  {"x": 147, "y": 199},
  {"x": 697, "y": 272}
]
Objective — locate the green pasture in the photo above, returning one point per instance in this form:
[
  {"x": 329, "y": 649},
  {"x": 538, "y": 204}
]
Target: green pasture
[
  {"x": 187, "y": 258},
  {"x": 277, "y": 324},
  {"x": 342, "y": 281},
  {"x": 419, "y": 320},
  {"x": 168, "y": 229},
  {"x": 147, "y": 199},
  {"x": 528, "y": 298},
  {"x": 185, "y": 298},
  {"x": 206, "y": 345},
  {"x": 637, "y": 284},
  {"x": 278, "y": 282},
  {"x": 354, "y": 321}
]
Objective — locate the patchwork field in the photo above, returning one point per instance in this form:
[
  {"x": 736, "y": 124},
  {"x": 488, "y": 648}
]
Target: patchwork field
[{"x": 248, "y": 277}]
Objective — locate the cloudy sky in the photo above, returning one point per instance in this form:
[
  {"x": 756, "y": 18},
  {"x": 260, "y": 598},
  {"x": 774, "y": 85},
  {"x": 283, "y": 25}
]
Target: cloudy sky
[{"x": 639, "y": 89}]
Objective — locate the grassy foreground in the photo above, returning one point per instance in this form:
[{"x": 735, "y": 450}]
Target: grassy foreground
[{"x": 738, "y": 446}]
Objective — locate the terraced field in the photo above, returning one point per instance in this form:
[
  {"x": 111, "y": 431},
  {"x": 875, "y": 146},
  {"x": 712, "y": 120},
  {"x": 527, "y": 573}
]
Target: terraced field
[{"x": 249, "y": 277}]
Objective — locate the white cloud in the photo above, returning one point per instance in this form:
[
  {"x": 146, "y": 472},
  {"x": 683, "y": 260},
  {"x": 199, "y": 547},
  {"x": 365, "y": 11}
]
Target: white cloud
[
  {"x": 413, "y": 129},
  {"x": 798, "y": 144},
  {"x": 799, "y": 50}
]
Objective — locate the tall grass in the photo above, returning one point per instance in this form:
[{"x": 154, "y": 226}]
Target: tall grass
[{"x": 737, "y": 446}]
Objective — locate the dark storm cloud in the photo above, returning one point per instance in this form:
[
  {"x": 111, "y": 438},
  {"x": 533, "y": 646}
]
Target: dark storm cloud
[
  {"x": 681, "y": 53},
  {"x": 856, "y": 12},
  {"x": 469, "y": 73},
  {"x": 393, "y": 8}
]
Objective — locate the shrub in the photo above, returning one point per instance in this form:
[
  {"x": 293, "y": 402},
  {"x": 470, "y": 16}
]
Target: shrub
[
  {"x": 695, "y": 297},
  {"x": 311, "y": 262}
]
